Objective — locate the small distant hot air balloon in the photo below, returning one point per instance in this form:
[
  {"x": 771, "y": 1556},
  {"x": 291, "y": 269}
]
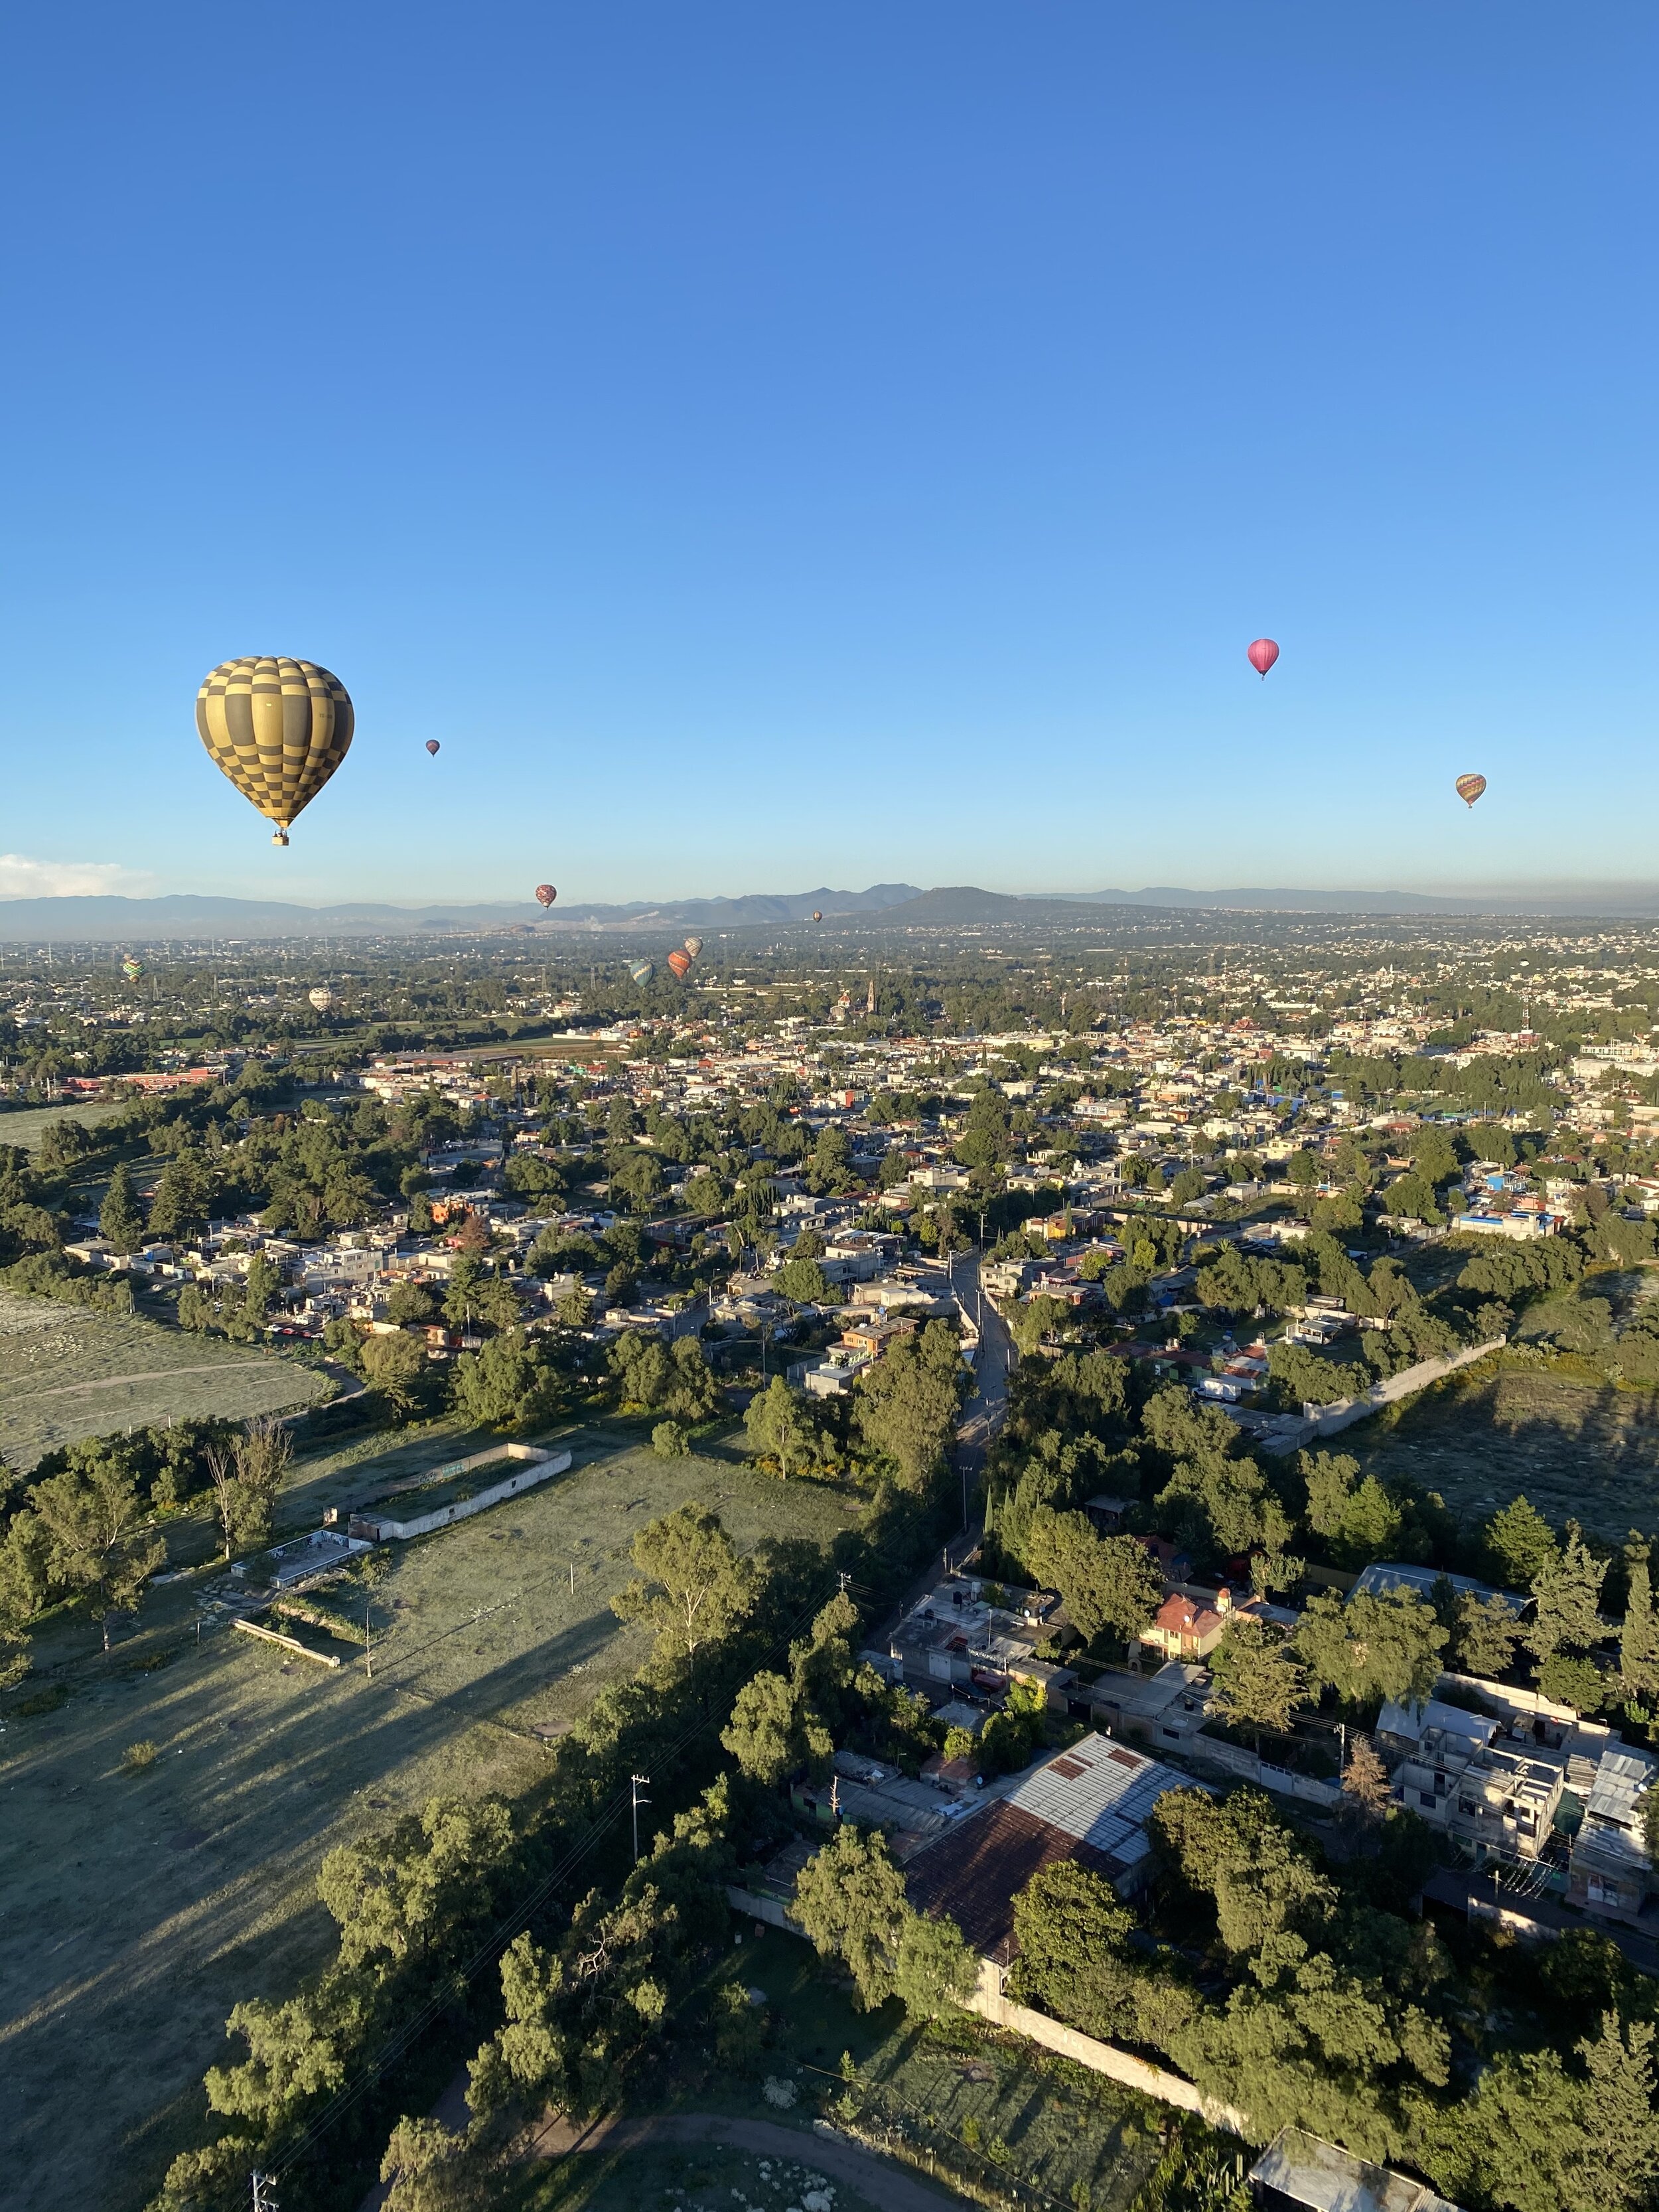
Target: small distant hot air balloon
[
  {"x": 694, "y": 945},
  {"x": 1261, "y": 655},
  {"x": 545, "y": 894},
  {"x": 817, "y": 913},
  {"x": 642, "y": 971},
  {"x": 278, "y": 728},
  {"x": 132, "y": 969},
  {"x": 322, "y": 998},
  {"x": 432, "y": 744},
  {"x": 1470, "y": 788},
  {"x": 680, "y": 961}
]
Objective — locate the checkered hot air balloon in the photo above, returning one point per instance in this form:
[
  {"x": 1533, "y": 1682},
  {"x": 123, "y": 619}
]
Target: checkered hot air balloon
[
  {"x": 278, "y": 728},
  {"x": 694, "y": 945}
]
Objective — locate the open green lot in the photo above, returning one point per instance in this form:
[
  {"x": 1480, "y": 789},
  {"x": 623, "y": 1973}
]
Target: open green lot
[
  {"x": 1577, "y": 1449},
  {"x": 139, "y": 1908},
  {"x": 67, "y": 1372},
  {"x": 26, "y": 1126}
]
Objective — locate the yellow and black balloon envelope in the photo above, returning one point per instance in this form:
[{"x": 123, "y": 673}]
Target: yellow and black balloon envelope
[{"x": 278, "y": 728}]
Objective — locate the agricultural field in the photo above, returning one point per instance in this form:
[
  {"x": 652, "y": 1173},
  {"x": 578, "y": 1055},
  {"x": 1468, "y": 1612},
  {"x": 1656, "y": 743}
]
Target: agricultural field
[
  {"x": 1577, "y": 1449},
  {"x": 143, "y": 1905},
  {"x": 67, "y": 1372},
  {"x": 26, "y": 1126}
]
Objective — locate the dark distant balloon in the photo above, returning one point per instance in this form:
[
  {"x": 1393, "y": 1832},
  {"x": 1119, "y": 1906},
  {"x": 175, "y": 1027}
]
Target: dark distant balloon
[
  {"x": 278, "y": 728},
  {"x": 817, "y": 913},
  {"x": 545, "y": 894},
  {"x": 680, "y": 961},
  {"x": 1470, "y": 788},
  {"x": 642, "y": 971},
  {"x": 1261, "y": 655},
  {"x": 432, "y": 744}
]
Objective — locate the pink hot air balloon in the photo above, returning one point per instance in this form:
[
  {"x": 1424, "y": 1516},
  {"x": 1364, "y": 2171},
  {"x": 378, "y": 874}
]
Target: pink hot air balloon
[{"x": 1261, "y": 655}]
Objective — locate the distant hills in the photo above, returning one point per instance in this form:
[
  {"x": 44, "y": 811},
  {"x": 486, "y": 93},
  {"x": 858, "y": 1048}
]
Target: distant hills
[{"x": 112, "y": 919}]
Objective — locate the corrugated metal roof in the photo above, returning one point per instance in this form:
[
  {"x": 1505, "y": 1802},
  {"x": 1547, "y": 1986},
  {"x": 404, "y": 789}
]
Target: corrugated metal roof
[
  {"x": 1098, "y": 1793},
  {"x": 1621, "y": 1777}
]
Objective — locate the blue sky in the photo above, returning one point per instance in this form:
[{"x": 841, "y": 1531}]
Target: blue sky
[{"x": 774, "y": 445}]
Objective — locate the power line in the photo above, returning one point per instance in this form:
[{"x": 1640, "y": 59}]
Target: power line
[{"x": 499, "y": 1937}]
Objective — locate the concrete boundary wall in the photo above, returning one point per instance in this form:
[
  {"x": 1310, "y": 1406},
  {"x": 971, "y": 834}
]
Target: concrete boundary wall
[
  {"x": 381, "y": 1528},
  {"x": 989, "y": 2002},
  {"x": 288, "y": 1643},
  {"x": 1342, "y": 1412}
]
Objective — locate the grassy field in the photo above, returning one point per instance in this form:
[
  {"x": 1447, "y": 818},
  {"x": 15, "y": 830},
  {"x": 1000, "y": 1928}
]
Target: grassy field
[
  {"x": 974, "y": 2089},
  {"x": 1577, "y": 1449},
  {"x": 66, "y": 1372},
  {"x": 26, "y": 1127},
  {"x": 141, "y": 1908}
]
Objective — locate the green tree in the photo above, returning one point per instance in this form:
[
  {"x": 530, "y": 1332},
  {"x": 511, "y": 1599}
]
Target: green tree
[
  {"x": 1521, "y": 1545},
  {"x": 431, "y": 2169},
  {"x": 1617, "y": 2165},
  {"x": 1072, "y": 1934},
  {"x": 934, "y": 1972},
  {"x": 692, "y": 1588},
  {"x": 411, "y": 1305},
  {"x": 247, "y": 1473},
  {"x": 1485, "y": 1632},
  {"x": 1566, "y": 1593},
  {"x": 1035, "y": 1318},
  {"x": 1639, "y": 1638},
  {"x": 1110, "y": 1582},
  {"x": 463, "y": 1290},
  {"x": 575, "y": 1308},
  {"x": 1377, "y": 1645},
  {"x": 803, "y": 1283},
  {"x": 1257, "y": 1682},
  {"x": 396, "y": 1367},
  {"x": 120, "y": 1217},
  {"x": 905, "y": 1406},
  {"x": 773, "y": 1730},
  {"x": 849, "y": 1898},
  {"x": 182, "y": 1197},
  {"x": 777, "y": 1426},
  {"x": 669, "y": 1441},
  {"x": 1365, "y": 1788},
  {"x": 506, "y": 1385},
  {"x": 99, "y": 1547}
]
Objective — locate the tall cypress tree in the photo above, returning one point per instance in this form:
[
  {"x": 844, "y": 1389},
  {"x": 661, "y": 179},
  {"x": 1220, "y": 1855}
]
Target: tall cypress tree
[
  {"x": 120, "y": 1217},
  {"x": 1638, "y": 1639}
]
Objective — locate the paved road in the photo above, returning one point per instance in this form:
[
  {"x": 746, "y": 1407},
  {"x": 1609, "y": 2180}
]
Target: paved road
[
  {"x": 889, "y": 2186},
  {"x": 982, "y": 1416}
]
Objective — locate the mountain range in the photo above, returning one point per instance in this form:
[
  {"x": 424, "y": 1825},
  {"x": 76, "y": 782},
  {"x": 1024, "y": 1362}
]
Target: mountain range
[{"x": 107, "y": 918}]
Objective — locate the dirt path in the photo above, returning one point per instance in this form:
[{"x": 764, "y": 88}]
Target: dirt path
[
  {"x": 156, "y": 1375},
  {"x": 866, "y": 2170}
]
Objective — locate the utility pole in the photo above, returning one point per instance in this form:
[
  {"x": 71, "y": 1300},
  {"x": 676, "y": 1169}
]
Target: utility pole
[
  {"x": 640, "y": 1782},
  {"x": 264, "y": 2193},
  {"x": 369, "y": 1659}
]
